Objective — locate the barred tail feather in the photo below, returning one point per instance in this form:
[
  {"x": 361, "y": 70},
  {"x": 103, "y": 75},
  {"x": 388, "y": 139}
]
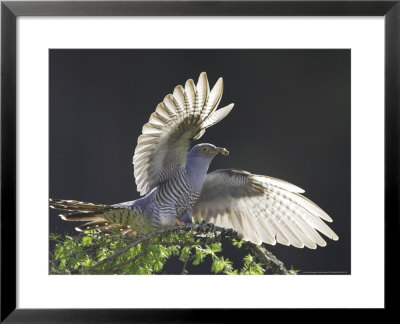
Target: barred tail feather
[
  {"x": 106, "y": 218},
  {"x": 105, "y": 227},
  {"x": 74, "y": 205},
  {"x": 80, "y": 217}
]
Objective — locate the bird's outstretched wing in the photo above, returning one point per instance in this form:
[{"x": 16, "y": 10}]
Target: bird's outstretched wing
[
  {"x": 261, "y": 209},
  {"x": 107, "y": 218},
  {"x": 165, "y": 140}
]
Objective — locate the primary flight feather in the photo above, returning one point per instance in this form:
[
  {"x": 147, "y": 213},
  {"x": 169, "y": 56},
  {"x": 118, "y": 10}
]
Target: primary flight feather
[{"x": 177, "y": 188}]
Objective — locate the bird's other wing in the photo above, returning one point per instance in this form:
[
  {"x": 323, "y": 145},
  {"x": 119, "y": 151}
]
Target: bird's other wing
[
  {"x": 165, "y": 140},
  {"x": 107, "y": 218},
  {"x": 261, "y": 209}
]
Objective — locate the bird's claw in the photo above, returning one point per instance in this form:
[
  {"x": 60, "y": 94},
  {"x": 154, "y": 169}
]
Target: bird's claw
[{"x": 177, "y": 222}]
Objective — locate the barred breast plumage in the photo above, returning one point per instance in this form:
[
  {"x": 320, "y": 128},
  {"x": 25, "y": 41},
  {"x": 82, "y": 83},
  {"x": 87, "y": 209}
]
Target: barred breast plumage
[{"x": 172, "y": 198}]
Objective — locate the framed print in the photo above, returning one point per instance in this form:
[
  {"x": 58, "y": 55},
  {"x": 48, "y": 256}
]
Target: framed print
[{"x": 309, "y": 101}]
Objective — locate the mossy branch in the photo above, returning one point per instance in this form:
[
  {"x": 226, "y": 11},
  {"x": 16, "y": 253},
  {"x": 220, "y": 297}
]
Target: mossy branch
[{"x": 128, "y": 251}]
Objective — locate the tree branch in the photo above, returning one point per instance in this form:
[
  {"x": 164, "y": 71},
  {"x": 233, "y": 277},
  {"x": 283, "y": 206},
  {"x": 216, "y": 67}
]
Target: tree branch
[
  {"x": 203, "y": 229},
  {"x": 267, "y": 258},
  {"x": 137, "y": 256},
  {"x": 127, "y": 248}
]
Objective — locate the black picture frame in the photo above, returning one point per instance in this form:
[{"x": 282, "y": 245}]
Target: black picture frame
[{"x": 10, "y": 10}]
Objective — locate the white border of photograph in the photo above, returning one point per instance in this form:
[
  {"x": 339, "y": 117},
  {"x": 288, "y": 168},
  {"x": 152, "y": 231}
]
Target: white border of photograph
[{"x": 364, "y": 36}]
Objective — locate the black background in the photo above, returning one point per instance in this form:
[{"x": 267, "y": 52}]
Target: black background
[{"x": 291, "y": 120}]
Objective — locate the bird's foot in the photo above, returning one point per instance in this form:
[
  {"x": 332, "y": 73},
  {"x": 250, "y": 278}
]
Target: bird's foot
[{"x": 177, "y": 222}]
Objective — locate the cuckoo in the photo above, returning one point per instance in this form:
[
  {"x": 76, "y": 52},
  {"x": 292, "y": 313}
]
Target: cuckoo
[{"x": 176, "y": 188}]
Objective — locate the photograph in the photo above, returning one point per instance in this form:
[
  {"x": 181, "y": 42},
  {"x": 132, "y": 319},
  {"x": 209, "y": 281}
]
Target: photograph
[{"x": 199, "y": 161}]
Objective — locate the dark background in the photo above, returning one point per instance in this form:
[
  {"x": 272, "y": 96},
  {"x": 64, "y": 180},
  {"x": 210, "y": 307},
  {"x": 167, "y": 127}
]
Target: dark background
[{"x": 291, "y": 120}]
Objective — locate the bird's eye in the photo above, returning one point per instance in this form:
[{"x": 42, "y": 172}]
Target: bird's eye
[{"x": 204, "y": 149}]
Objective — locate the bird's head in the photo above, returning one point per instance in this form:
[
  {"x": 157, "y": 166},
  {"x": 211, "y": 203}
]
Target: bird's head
[
  {"x": 206, "y": 151},
  {"x": 198, "y": 160}
]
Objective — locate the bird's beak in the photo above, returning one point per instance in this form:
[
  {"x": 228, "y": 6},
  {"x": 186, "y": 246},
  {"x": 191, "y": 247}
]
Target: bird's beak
[{"x": 221, "y": 150}]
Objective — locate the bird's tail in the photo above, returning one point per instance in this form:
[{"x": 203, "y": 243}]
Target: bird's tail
[{"x": 106, "y": 218}]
